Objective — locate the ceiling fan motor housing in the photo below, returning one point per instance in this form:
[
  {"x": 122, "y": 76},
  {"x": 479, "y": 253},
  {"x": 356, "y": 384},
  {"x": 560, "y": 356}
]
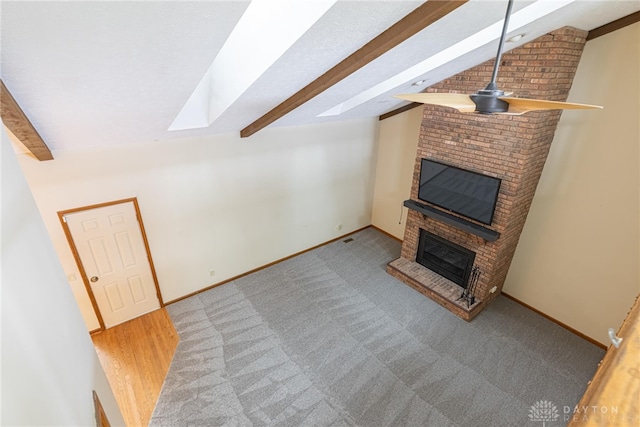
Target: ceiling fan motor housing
[{"x": 487, "y": 100}]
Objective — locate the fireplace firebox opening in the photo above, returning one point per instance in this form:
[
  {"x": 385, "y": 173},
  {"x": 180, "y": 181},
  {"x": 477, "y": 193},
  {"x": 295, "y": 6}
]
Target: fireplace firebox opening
[{"x": 445, "y": 258}]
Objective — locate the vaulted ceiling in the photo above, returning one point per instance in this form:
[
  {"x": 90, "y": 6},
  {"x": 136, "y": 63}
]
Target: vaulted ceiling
[{"x": 102, "y": 73}]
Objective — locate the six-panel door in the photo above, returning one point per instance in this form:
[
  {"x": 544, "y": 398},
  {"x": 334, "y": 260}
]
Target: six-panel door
[{"x": 112, "y": 251}]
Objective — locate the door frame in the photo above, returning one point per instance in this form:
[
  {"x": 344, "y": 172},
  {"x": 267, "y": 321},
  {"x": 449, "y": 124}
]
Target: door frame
[{"x": 76, "y": 255}]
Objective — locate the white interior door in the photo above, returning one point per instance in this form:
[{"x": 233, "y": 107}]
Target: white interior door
[{"x": 111, "y": 248}]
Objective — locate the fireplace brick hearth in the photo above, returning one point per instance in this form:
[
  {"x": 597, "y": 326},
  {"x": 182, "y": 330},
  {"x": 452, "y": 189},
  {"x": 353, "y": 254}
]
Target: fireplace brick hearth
[{"x": 513, "y": 148}]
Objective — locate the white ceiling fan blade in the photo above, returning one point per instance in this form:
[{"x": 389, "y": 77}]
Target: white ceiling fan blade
[
  {"x": 459, "y": 101},
  {"x": 519, "y": 106}
]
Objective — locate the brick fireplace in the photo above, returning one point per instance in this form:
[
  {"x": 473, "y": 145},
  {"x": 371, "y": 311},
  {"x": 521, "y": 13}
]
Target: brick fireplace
[{"x": 512, "y": 148}]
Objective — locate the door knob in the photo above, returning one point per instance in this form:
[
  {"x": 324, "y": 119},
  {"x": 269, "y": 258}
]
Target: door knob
[{"x": 94, "y": 279}]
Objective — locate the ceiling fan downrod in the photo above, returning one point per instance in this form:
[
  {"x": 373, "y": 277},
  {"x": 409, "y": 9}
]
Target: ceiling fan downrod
[{"x": 486, "y": 100}]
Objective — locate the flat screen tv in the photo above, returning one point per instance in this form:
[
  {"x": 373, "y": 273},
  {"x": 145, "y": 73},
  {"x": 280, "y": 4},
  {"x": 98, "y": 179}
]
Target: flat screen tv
[{"x": 466, "y": 193}]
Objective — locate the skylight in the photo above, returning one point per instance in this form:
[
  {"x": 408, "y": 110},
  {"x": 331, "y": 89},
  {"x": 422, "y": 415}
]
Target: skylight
[{"x": 266, "y": 30}]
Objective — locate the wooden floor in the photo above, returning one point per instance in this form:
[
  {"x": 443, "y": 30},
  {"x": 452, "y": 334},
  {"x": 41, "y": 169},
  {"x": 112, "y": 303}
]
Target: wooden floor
[
  {"x": 136, "y": 356},
  {"x": 613, "y": 396}
]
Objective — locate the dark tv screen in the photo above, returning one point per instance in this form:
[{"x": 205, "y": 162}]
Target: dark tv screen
[{"x": 466, "y": 193}]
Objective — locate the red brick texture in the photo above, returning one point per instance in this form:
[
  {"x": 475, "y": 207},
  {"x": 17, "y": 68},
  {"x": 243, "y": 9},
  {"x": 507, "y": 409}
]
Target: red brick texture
[{"x": 513, "y": 148}]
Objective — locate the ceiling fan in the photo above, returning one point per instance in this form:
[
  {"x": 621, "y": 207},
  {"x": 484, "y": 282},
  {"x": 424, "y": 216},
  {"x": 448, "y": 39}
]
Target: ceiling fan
[{"x": 492, "y": 100}]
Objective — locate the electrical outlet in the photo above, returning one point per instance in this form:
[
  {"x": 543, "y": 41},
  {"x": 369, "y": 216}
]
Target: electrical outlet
[
  {"x": 212, "y": 272},
  {"x": 492, "y": 290},
  {"x": 339, "y": 227}
]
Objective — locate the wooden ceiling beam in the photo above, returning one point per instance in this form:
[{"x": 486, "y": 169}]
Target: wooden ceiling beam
[
  {"x": 613, "y": 26},
  {"x": 18, "y": 123},
  {"x": 423, "y": 16},
  {"x": 402, "y": 109}
]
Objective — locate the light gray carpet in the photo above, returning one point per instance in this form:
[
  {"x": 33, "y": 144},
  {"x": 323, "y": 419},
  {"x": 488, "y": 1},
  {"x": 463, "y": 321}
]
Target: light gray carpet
[{"x": 328, "y": 338}]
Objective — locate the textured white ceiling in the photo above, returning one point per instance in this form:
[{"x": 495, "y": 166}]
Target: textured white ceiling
[{"x": 91, "y": 74}]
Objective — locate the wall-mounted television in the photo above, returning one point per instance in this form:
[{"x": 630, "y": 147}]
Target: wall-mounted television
[{"x": 461, "y": 191}]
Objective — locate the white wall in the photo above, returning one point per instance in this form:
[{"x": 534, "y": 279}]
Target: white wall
[
  {"x": 219, "y": 202},
  {"x": 49, "y": 365},
  {"x": 397, "y": 145},
  {"x": 578, "y": 256}
]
